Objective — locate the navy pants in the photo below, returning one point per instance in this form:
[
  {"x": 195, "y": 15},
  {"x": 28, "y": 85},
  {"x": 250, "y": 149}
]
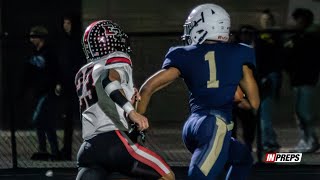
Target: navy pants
[{"x": 207, "y": 135}]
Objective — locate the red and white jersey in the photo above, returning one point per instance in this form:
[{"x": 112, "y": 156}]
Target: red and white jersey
[{"x": 99, "y": 113}]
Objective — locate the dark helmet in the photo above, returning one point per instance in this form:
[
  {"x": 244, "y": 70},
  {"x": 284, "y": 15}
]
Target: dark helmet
[{"x": 102, "y": 38}]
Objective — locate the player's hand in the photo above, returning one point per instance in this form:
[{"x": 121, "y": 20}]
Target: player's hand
[
  {"x": 244, "y": 104},
  {"x": 140, "y": 120},
  {"x": 136, "y": 96},
  {"x": 238, "y": 95}
]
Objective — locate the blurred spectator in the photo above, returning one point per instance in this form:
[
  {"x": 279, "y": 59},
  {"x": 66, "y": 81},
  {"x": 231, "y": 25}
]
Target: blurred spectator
[
  {"x": 269, "y": 69},
  {"x": 40, "y": 77},
  {"x": 246, "y": 35},
  {"x": 267, "y": 20},
  {"x": 301, "y": 66},
  {"x": 70, "y": 61}
]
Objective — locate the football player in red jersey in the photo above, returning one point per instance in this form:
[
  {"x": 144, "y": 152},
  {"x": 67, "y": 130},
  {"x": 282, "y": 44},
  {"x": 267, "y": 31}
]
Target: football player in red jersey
[{"x": 105, "y": 90}]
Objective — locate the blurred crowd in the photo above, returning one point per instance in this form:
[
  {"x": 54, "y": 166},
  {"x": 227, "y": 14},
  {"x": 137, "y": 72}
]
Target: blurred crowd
[
  {"x": 283, "y": 51},
  {"x": 49, "y": 87}
]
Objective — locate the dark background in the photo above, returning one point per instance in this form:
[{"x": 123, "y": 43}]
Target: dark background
[{"x": 17, "y": 17}]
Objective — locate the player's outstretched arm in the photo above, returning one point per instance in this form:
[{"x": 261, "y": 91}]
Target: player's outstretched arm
[
  {"x": 156, "y": 82},
  {"x": 249, "y": 85}
]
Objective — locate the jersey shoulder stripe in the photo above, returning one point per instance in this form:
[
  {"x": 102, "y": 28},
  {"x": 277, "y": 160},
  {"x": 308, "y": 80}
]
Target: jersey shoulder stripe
[{"x": 118, "y": 60}]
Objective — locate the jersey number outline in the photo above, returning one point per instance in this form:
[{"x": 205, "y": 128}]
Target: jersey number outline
[
  {"x": 213, "y": 82},
  {"x": 87, "y": 96}
]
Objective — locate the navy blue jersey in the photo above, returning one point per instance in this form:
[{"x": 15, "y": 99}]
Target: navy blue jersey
[{"x": 211, "y": 72}]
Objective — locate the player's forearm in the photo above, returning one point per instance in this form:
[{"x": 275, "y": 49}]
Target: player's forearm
[
  {"x": 155, "y": 83},
  {"x": 250, "y": 88},
  {"x": 252, "y": 93},
  {"x": 254, "y": 97},
  {"x": 146, "y": 91},
  {"x": 144, "y": 101}
]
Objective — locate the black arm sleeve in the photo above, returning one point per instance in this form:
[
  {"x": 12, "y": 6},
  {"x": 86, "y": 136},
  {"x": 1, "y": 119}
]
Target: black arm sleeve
[{"x": 115, "y": 95}]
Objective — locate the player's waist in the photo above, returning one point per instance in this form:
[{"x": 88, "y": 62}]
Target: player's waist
[
  {"x": 225, "y": 108},
  {"x": 223, "y": 116}
]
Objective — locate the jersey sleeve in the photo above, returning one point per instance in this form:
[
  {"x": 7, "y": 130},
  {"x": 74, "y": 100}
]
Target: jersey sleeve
[
  {"x": 124, "y": 69},
  {"x": 124, "y": 75},
  {"x": 122, "y": 64},
  {"x": 249, "y": 57},
  {"x": 174, "y": 59}
]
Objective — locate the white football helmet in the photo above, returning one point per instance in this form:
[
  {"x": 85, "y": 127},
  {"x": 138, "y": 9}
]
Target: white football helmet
[{"x": 206, "y": 22}]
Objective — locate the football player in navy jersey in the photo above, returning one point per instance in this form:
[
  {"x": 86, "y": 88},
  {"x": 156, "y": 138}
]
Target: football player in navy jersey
[
  {"x": 212, "y": 69},
  {"x": 105, "y": 90}
]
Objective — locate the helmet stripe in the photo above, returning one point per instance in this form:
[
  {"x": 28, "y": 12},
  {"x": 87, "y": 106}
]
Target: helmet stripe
[
  {"x": 87, "y": 32},
  {"x": 86, "y": 35}
]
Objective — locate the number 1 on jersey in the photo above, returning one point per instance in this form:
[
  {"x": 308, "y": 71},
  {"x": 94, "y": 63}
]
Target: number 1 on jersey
[{"x": 213, "y": 82}]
